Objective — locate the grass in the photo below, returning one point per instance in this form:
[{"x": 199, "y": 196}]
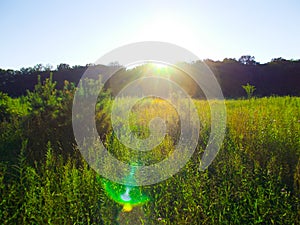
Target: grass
[{"x": 255, "y": 178}]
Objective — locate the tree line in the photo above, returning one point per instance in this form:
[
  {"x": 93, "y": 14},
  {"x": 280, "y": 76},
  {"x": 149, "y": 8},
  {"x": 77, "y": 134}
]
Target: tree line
[{"x": 279, "y": 77}]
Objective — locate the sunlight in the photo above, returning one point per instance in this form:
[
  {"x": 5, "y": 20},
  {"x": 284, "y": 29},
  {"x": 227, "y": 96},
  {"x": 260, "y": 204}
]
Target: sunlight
[
  {"x": 165, "y": 29},
  {"x": 159, "y": 65},
  {"x": 161, "y": 69},
  {"x": 171, "y": 28}
]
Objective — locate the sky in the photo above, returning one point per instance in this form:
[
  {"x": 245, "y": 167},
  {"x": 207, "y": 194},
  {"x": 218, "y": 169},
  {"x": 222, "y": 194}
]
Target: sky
[{"x": 80, "y": 32}]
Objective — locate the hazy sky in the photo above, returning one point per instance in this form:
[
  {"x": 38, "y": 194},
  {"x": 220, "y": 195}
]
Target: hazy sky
[{"x": 80, "y": 32}]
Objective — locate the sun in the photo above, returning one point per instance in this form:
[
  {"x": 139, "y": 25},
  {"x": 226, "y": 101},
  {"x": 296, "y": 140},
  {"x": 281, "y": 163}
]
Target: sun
[{"x": 169, "y": 28}]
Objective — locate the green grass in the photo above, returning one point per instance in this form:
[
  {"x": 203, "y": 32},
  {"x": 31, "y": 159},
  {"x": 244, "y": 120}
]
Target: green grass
[{"x": 255, "y": 178}]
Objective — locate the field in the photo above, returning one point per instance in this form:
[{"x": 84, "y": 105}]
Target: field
[{"x": 255, "y": 178}]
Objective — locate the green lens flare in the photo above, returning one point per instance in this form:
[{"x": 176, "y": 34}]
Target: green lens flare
[{"x": 123, "y": 194}]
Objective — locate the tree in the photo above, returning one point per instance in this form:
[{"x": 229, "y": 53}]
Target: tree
[
  {"x": 249, "y": 90},
  {"x": 76, "y": 67},
  {"x": 247, "y": 60},
  {"x": 38, "y": 68},
  {"x": 114, "y": 64},
  {"x": 63, "y": 66},
  {"x": 48, "y": 67},
  {"x": 280, "y": 59},
  {"x": 26, "y": 71},
  {"x": 230, "y": 60},
  {"x": 206, "y": 61},
  {"x": 44, "y": 98}
]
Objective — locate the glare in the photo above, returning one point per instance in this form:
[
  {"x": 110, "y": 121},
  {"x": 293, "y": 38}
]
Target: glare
[
  {"x": 126, "y": 197},
  {"x": 170, "y": 28},
  {"x": 159, "y": 65}
]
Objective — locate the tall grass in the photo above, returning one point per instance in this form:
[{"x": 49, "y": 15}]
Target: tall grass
[{"x": 255, "y": 178}]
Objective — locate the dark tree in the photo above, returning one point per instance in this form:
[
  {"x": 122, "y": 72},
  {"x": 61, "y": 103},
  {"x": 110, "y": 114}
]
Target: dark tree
[
  {"x": 38, "y": 68},
  {"x": 26, "y": 71},
  {"x": 63, "y": 66},
  {"x": 280, "y": 59},
  {"x": 247, "y": 60},
  {"x": 230, "y": 60},
  {"x": 48, "y": 67}
]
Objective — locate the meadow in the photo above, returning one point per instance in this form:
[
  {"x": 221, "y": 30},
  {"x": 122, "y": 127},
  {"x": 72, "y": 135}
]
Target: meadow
[{"x": 255, "y": 178}]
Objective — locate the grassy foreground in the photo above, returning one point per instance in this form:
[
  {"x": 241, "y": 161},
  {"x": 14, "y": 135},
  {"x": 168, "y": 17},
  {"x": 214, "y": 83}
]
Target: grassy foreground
[{"x": 255, "y": 178}]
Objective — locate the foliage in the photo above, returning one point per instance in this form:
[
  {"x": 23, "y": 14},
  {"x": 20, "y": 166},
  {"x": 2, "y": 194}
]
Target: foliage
[
  {"x": 63, "y": 66},
  {"x": 255, "y": 178},
  {"x": 279, "y": 77},
  {"x": 247, "y": 60},
  {"x": 249, "y": 90},
  {"x": 56, "y": 193}
]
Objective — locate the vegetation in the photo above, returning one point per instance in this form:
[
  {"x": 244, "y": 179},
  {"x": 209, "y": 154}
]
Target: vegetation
[
  {"x": 278, "y": 77},
  {"x": 255, "y": 178},
  {"x": 249, "y": 90}
]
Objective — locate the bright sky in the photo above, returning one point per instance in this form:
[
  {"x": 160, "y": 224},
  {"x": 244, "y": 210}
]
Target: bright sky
[{"x": 80, "y": 32}]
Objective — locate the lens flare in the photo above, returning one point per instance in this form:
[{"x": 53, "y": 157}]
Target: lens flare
[
  {"x": 127, "y": 208},
  {"x": 128, "y": 196}
]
